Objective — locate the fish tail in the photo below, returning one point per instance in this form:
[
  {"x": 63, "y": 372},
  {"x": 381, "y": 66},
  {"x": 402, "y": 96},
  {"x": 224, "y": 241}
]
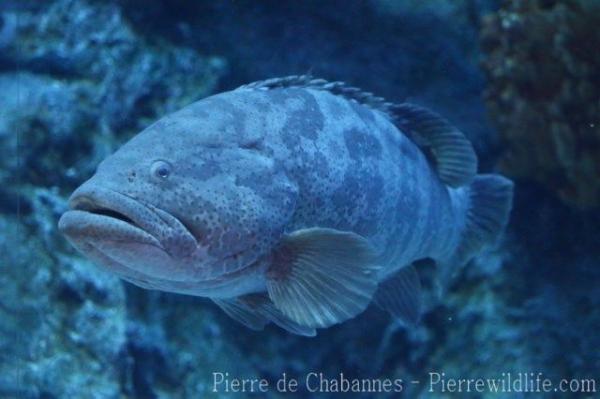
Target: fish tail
[{"x": 490, "y": 201}]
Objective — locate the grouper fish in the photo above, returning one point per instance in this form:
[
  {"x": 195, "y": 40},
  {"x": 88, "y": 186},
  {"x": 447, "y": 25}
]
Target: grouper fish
[{"x": 293, "y": 200}]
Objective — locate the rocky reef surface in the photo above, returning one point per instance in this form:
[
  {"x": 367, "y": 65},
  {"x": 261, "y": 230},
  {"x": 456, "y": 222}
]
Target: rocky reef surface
[
  {"x": 81, "y": 77},
  {"x": 542, "y": 59}
]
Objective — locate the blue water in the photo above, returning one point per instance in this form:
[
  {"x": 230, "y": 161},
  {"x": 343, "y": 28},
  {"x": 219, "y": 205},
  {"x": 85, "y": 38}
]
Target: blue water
[{"x": 79, "y": 78}]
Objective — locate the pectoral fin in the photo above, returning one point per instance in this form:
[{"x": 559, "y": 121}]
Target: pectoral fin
[
  {"x": 320, "y": 277},
  {"x": 400, "y": 295},
  {"x": 242, "y": 313},
  {"x": 269, "y": 311},
  {"x": 255, "y": 311}
]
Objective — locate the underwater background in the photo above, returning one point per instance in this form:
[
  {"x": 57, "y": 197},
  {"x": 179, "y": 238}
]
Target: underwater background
[{"x": 80, "y": 77}]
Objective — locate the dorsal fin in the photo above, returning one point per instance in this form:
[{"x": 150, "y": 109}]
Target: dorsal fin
[
  {"x": 338, "y": 88},
  {"x": 454, "y": 157}
]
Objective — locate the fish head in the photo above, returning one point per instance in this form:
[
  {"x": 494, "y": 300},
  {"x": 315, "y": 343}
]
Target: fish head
[{"x": 187, "y": 199}]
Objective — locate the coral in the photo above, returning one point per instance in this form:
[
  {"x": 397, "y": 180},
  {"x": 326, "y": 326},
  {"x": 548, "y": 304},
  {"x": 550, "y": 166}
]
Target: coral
[
  {"x": 88, "y": 81},
  {"x": 80, "y": 77},
  {"x": 543, "y": 65},
  {"x": 51, "y": 317}
]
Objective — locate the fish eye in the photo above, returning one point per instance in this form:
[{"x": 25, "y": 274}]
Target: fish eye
[{"x": 160, "y": 170}]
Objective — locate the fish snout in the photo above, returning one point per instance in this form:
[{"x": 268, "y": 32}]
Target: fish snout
[
  {"x": 84, "y": 196},
  {"x": 94, "y": 199}
]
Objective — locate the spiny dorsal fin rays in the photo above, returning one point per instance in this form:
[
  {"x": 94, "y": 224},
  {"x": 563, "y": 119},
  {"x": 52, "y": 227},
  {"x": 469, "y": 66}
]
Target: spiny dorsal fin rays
[
  {"x": 454, "y": 156},
  {"x": 338, "y": 88}
]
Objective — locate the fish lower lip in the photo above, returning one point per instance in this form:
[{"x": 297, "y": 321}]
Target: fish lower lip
[
  {"x": 102, "y": 204},
  {"x": 89, "y": 227}
]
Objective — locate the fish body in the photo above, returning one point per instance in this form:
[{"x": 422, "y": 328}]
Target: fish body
[{"x": 294, "y": 201}]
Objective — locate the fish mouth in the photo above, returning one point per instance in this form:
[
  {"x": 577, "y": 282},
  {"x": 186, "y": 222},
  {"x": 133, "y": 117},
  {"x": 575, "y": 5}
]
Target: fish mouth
[
  {"x": 103, "y": 214},
  {"x": 135, "y": 239},
  {"x": 98, "y": 213},
  {"x": 87, "y": 205}
]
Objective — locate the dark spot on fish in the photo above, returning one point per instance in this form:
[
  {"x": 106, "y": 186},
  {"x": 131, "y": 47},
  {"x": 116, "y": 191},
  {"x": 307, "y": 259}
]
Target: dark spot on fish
[
  {"x": 361, "y": 144},
  {"x": 307, "y": 121},
  {"x": 208, "y": 169},
  {"x": 254, "y": 145},
  {"x": 363, "y": 112},
  {"x": 131, "y": 176},
  {"x": 314, "y": 117},
  {"x": 357, "y": 201},
  {"x": 320, "y": 165},
  {"x": 291, "y": 139},
  {"x": 347, "y": 194}
]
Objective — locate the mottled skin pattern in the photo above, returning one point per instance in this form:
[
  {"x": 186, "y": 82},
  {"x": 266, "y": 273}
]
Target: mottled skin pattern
[
  {"x": 356, "y": 172},
  {"x": 248, "y": 166}
]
